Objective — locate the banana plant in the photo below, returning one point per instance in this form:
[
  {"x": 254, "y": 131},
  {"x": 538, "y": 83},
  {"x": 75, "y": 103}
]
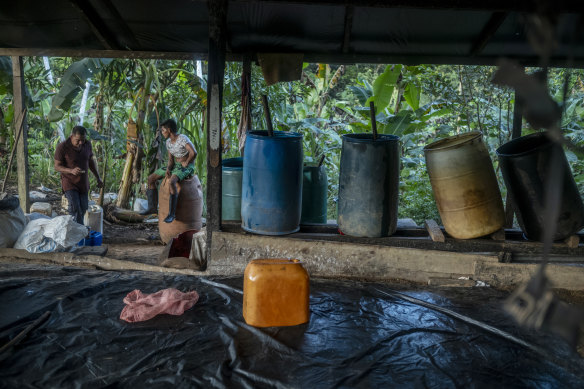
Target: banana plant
[{"x": 72, "y": 83}]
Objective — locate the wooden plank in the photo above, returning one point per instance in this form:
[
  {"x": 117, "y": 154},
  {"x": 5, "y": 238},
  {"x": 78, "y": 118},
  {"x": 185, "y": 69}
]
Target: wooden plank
[
  {"x": 127, "y": 35},
  {"x": 96, "y": 24},
  {"x": 336, "y": 58},
  {"x": 488, "y": 31},
  {"x": 566, "y": 6},
  {"x": 246, "y": 72},
  {"x": 217, "y": 46},
  {"x": 22, "y": 146},
  {"x": 454, "y": 245},
  {"x": 434, "y": 231},
  {"x": 498, "y": 235},
  {"x": 88, "y": 53},
  {"x": 349, "y": 11}
]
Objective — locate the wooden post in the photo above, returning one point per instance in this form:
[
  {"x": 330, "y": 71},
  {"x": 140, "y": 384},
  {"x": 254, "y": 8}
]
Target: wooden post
[
  {"x": 247, "y": 73},
  {"x": 22, "y": 146},
  {"x": 217, "y": 36},
  {"x": 516, "y": 133}
]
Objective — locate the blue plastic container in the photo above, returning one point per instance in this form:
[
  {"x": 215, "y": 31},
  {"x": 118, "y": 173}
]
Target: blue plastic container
[
  {"x": 93, "y": 239},
  {"x": 271, "y": 198}
]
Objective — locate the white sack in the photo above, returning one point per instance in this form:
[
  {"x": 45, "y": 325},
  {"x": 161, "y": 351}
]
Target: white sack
[
  {"x": 140, "y": 205},
  {"x": 48, "y": 235}
]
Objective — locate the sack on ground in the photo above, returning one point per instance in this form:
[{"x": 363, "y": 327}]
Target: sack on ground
[
  {"x": 51, "y": 235},
  {"x": 12, "y": 221}
]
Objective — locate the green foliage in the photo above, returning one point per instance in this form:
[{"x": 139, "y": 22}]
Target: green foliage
[
  {"x": 420, "y": 104},
  {"x": 72, "y": 83},
  {"x": 5, "y": 75},
  {"x": 384, "y": 86}
]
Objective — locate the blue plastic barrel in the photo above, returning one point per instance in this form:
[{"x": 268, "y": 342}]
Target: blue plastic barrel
[
  {"x": 369, "y": 185},
  {"x": 271, "y": 191},
  {"x": 232, "y": 172}
]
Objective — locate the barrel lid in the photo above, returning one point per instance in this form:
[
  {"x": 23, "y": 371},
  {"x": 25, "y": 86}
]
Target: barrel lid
[
  {"x": 525, "y": 145},
  {"x": 236, "y": 162},
  {"x": 278, "y": 135},
  {"x": 368, "y": 138},
  {"x": 453, "y": 141}
]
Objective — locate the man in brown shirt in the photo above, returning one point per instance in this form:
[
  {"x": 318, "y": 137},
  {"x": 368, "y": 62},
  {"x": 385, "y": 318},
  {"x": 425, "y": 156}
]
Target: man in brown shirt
[{"x": 73, "y": 158}]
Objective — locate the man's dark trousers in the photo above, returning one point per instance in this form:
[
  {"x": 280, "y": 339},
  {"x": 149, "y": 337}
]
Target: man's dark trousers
[{"x": 78, "y": 204}]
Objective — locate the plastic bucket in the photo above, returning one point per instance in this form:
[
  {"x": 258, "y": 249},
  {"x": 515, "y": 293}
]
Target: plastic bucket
[
  {"x": 525, "y": 164},
  {"x": 231, "y": 177},
  {"x": 314, "y": 195},
  {"x": 272, "y": 183},
  {"x": 465, "y": 186},
  {"x": 369, "y": 185},
  {"x": 94, "y": 218}
]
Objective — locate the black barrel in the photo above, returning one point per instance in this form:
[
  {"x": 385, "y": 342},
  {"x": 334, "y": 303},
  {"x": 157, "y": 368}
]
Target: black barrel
[
  {"x": 314, "y": 195},
  {"x": 369, "y": 185},
  {"x": 525, "y": 164}
]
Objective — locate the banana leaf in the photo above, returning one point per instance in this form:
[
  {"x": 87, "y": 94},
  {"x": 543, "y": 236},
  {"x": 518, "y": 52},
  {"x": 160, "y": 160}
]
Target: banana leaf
[
  {"x": 383, "y": 87},
  {"x": 73, "y": 82}
]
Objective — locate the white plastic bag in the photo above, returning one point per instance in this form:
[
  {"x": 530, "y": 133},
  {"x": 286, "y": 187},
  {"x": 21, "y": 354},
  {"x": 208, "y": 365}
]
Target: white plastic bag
[
  {"x": 12, "y": 221},
  {"x": 140, "y": 205},
  {"x": 48, "y": 235}
]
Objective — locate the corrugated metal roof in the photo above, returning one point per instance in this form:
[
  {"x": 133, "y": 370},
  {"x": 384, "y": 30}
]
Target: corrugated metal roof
[{"x": 350, "y": 31}]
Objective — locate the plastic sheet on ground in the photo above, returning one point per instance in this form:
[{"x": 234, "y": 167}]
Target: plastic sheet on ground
[{"x": 359, "y": 335}]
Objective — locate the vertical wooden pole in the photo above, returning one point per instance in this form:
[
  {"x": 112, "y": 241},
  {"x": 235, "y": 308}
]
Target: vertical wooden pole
[
  {"x": 247, "y": 74},
  {"x": 216, "y": 65},
  {"x": 22, "y": 145},
  {"x": 516, "y": 133}
]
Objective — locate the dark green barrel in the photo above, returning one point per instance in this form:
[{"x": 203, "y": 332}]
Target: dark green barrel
[
  {"x": 369, "y": 185},
  {"x": 314, "y": 195},
  {"x": 232, "y": 173},
  {"x": 271, "y": 195},
  {"x": 525, "y": 164}
]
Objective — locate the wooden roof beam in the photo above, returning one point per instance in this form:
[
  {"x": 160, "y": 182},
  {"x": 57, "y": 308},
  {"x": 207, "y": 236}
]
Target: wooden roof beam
[
  {"x": 349, "y": 11},
  {"x": 126, "y": 32},
  {"x": 560, "y": 6},
  {"x": 488, "y": 31},
  {"x": 96, "y": 24}
]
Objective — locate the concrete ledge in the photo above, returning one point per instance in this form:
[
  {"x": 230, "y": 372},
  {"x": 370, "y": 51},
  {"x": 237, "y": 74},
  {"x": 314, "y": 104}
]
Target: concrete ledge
[{"x": 231, "y": 252}]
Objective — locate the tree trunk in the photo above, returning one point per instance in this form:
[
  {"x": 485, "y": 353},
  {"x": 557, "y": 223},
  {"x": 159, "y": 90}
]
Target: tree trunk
[{"x": 129, "y": 175}]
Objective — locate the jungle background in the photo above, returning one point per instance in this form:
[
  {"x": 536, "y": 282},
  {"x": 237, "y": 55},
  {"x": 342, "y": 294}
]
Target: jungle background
[{"x": 122, "y": 102}]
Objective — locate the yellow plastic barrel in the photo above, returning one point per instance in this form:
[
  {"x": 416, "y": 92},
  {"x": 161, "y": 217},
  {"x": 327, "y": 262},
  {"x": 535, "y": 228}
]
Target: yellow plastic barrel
[
  {"x": 275, "y": 293},
  {"x": 465, "y": 186}
]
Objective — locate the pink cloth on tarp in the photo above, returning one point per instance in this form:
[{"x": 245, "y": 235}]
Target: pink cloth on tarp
[{"x": 142, "y": 307}]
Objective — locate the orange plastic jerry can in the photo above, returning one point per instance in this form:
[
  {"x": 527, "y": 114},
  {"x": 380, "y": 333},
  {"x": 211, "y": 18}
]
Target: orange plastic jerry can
[{"x": 275, "y": 293}]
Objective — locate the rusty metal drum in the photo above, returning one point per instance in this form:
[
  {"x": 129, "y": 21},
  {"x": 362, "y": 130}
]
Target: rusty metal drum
[{"x": 465, "y": 186}]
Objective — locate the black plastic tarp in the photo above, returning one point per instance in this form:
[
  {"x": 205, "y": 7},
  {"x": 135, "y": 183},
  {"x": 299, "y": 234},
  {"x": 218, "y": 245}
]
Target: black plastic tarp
[{"x": 359, "y": 335}]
